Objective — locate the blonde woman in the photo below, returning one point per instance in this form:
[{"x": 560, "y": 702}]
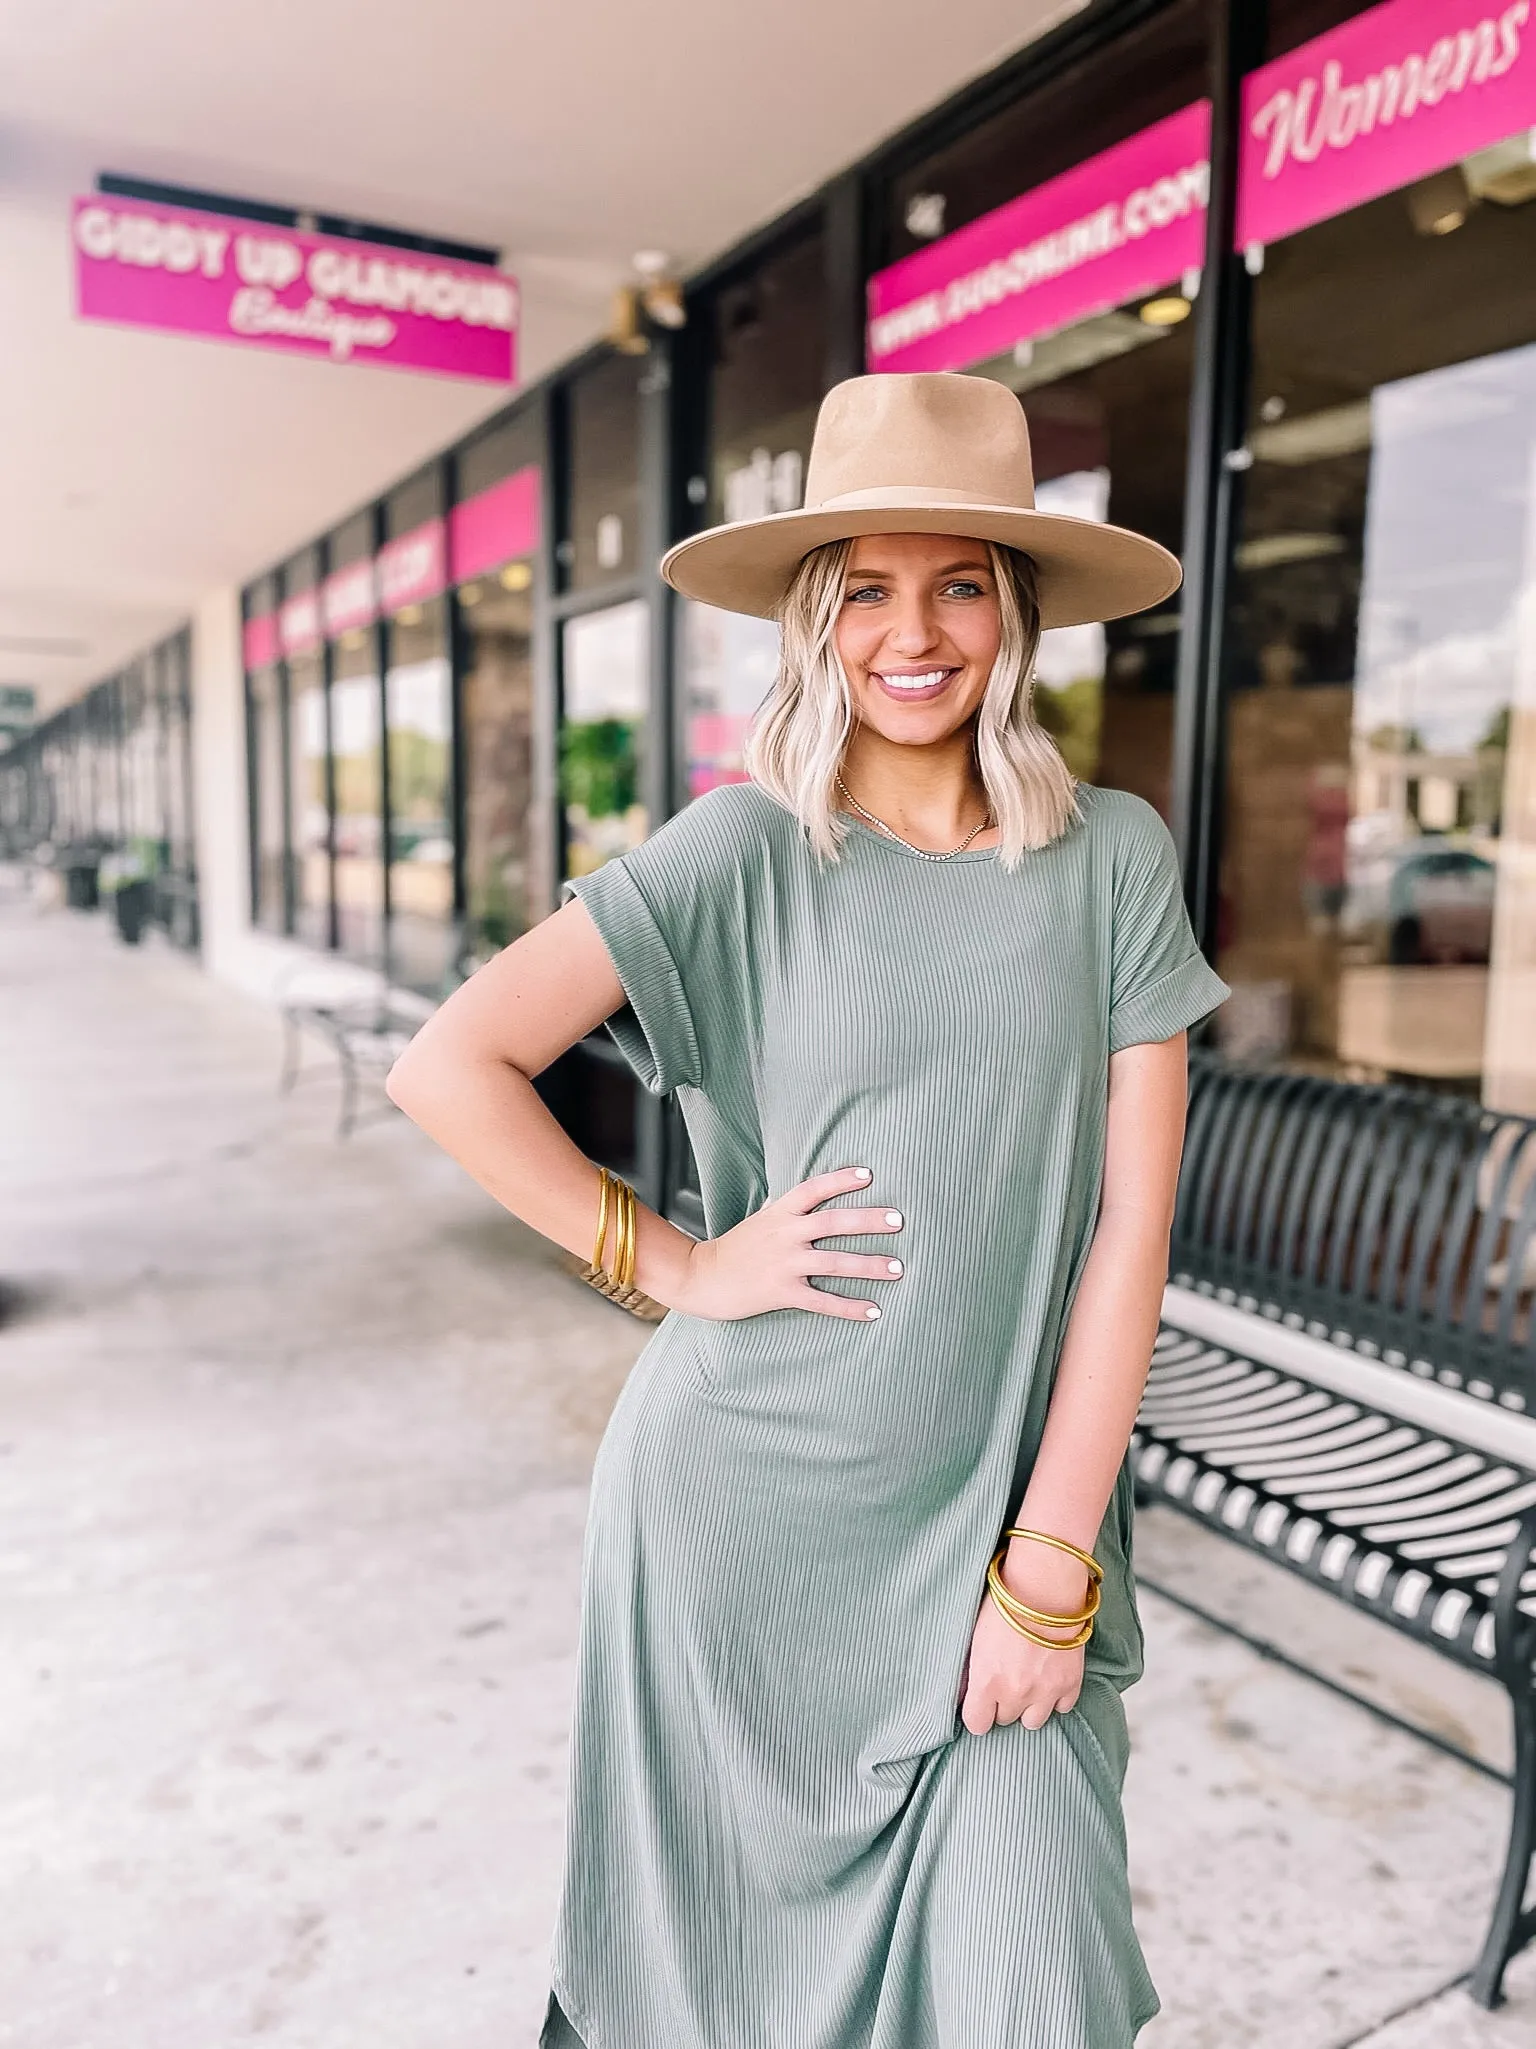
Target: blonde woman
[{"x": 857, "y": 1607}]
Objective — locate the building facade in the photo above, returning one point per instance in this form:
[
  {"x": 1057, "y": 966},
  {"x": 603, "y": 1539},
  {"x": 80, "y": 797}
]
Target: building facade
[{"x": 1260, "y": 277}]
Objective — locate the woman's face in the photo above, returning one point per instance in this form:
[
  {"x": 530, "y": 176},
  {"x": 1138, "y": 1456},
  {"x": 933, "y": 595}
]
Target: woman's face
[{"x": 918, "y": 633}]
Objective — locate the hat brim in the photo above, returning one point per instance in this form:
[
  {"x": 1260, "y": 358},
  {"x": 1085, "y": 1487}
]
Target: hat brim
[{"x": 1087, "y": 570}]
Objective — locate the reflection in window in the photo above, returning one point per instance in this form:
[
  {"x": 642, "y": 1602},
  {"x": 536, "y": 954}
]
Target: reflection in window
[
  {"x": 729, "y": 661},
  {"x": 1377, "y": 917},
  {"x": 309, "y": 795},
  {"x": 605, "y": 701},
  {"x": 605, "y": 473},
  {"x": 1107, "y": 401},
  {"x": 766, "y": 381},
  {"x": 419, "y": 711},
  {"x": 357, "y": 747},
  {"x": 497, "y": 611}
]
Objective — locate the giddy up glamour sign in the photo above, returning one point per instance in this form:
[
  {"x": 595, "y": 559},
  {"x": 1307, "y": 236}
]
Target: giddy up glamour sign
[{"x": 141, "y": 264}]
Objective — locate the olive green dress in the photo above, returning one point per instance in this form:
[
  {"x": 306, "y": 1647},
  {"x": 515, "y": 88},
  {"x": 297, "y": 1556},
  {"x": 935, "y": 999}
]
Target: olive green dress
[{"x": 780, "y": 1834}]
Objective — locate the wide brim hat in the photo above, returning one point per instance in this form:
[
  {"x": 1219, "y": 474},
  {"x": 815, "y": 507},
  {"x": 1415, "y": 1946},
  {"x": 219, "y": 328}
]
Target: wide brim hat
[{"x": 926, "y": 453}]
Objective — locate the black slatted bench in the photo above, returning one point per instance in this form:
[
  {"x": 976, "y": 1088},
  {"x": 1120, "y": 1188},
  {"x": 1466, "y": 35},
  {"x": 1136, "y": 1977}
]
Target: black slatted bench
[{"x": 1348, "y": 1333}]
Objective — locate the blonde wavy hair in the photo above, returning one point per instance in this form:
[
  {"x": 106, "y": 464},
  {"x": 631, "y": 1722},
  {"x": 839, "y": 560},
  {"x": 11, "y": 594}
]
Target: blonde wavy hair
[{"x": 800, "y": 735}]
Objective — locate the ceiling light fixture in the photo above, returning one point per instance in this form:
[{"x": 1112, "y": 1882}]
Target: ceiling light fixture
[
  {"x": 517, "y": 576},
  {"x": 1439, "y": 205},
  {"x": 1167, "y": 311}
]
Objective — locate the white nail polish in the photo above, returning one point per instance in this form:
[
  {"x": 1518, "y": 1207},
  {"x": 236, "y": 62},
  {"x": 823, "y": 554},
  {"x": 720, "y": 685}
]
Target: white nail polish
[
  {"x": 871, "y": 1312},
  {"x": 893, "y": 1266},
  {"x": 862, "y": 1172},
  {"x": 893, "y": 1218}
]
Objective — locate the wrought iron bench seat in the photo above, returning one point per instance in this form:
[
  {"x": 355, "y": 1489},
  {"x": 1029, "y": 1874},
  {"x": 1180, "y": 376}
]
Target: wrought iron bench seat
[
  {"x": 1412, "y": 1525},
  {"x": 1345, "y": 1377}
]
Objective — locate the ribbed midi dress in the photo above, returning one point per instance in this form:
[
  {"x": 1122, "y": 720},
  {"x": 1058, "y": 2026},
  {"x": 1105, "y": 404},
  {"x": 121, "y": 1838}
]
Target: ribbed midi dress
[{"x": 780, "y": 1834}]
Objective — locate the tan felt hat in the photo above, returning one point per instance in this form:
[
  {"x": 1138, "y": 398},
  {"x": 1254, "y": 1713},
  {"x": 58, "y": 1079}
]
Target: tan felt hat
[{"x": 932, "y": 453}]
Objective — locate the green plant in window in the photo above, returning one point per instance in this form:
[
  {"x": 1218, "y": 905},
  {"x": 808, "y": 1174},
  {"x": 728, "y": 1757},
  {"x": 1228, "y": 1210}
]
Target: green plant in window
[
  {"x": 1073, "y": 715},
  {"x": 598, "y": 765}
]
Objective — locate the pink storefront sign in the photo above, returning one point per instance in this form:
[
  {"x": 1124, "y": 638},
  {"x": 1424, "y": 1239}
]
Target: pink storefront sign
[
  {"x": 140, "y": 264},
  {"x": 413, "y": 568},
  {"x": 260, "y": 641},
  {"x": 1389, "y": 97},
  {"x": 348, "y": 599},
  {"x": 1114, "y": 228},
  {"x": 299, "y": 623},
  {"x": 495, "y": 526}
]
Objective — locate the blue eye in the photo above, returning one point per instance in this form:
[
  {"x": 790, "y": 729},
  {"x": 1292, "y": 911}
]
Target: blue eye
[
  {"x": 963, "y": 587},
  {"x": 864, "y": 590}
]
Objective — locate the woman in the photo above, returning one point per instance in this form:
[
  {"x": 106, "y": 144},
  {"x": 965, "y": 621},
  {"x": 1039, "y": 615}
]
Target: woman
[{"x": 923, "y": 1000}]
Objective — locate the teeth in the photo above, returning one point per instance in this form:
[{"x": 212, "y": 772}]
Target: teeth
[{"x": 915, "y": 682}]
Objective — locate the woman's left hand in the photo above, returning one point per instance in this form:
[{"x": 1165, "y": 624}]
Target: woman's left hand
[{"x": 1009, "y": 1679}]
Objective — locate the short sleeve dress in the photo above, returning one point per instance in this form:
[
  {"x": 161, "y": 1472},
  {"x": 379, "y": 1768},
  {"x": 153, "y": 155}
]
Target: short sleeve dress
[{"x": 780, "y": 1834}]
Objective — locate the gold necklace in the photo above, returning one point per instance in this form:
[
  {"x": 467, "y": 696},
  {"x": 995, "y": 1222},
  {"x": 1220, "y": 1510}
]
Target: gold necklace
[{"x": 881, "y": 826}]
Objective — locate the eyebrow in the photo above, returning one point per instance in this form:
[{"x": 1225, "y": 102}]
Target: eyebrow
[{"x": 971, "y": 563}]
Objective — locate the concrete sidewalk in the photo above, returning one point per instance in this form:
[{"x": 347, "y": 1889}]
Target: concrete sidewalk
[{"x": 293, "y": 1443}]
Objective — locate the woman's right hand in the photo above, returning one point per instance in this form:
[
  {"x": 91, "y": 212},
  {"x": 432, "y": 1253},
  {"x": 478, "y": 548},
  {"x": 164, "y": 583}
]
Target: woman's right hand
[{"x": 764, "y": 1261}]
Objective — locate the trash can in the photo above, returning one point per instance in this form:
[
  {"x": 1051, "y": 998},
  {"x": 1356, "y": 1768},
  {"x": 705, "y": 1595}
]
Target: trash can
[
  {"x": 82, "y": 878},
  {"x": 131, "y": 901}
]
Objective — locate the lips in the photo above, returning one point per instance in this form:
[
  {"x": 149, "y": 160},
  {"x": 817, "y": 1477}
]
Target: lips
[{"x": 914, "y": 686}]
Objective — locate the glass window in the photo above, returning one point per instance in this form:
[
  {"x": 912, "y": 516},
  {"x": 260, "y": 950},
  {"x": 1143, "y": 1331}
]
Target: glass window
[
  {"x": 357, "y": 750},
  {"x": 605, "y": 676},
  {"x": 176, "y": 714},
  {"x": 1376, "y": 913},
  {"x": 310, "y": 793},
  {"x": 502, "y": 450},
  {"x": 603, "y": 543},
  {"x": 495, "y": 542},
  {"x": 419, "y": 713},
  {"x": 767, "y": 375},
  {"x": 1107, "y": 392},
  {"x": 267, "y": 752},
  {"x": 497, "y": 741}
]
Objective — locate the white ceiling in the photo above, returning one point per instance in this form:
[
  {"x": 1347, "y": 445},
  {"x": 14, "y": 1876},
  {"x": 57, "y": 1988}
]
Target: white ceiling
[{"x": 143, "y": 470}]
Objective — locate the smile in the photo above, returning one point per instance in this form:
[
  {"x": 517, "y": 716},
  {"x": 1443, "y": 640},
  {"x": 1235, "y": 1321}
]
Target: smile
[{"x": 914, "y": 685}]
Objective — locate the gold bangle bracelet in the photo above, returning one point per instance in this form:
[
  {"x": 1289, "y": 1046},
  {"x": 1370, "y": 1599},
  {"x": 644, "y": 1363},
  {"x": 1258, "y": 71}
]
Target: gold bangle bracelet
[
  {"x": 1096, "y": 1571},
  {"x": 602, "y": 1216},
  {"x": 1047, "y": 1643},
  {"x": 624, "y": 1250},
  {"x": 1005, "y": 1597}
]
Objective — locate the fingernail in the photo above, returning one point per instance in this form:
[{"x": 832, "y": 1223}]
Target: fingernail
[
  {"x": 862, "y": 1173},
  {"x": 893, "y": 1266},
  {"x": 893, "y": 1218},
  {"x": 871, "y": 1312}
]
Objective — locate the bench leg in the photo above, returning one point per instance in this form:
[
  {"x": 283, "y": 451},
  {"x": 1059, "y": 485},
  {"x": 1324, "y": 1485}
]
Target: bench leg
[
  {"x": 1511, "y": 1928},
  {"x": 348, "y": 1092},
  {"x": 1513, "y": 1924},
  {"x": 292, "y": 1054}
]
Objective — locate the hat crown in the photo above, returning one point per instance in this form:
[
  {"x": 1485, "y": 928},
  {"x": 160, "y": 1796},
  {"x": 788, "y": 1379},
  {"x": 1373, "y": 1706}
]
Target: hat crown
[{"x": 957, "y": 439}]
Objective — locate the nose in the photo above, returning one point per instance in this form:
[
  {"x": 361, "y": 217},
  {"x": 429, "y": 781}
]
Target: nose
[{"x": 914, "y": 630}]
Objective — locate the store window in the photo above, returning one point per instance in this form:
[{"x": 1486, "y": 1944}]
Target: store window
[
  {"x": 603, "y": 544},
  {"x": 1057, "y": 248},
  {"x": 494, "y": 541},
  {"x": 266, "y": 754},
  {"x": 767, "y": 374},
  {"x": 412, "y": 573},
  {"x": 602, "y": 733},
  {"x": 357, "y": 742},
  {"x": 309, "y": 765},
  {"x": 175, "y": 665},
  {"x": 1376, "y": 914}
]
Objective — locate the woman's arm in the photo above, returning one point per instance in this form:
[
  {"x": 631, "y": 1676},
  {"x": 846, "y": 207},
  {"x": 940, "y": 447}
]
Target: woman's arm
[
  {"x": 467, "y": 1080},
  {"x": 1099, "y": 1381}
]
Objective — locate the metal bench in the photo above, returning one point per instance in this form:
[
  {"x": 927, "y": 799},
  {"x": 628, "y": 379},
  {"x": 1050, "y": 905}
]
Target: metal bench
[
  {"x": 1342, "y": 1257},
  {"x": 366, "y": 1028}
]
